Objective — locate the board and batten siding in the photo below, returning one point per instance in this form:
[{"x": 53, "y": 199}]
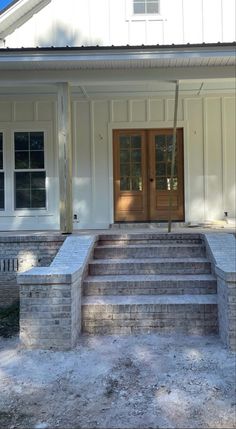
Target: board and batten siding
[
  {"x": 209, "y": 153},
  {"x": 29, "y": 113},
  {"x": 111, "y": 22}
]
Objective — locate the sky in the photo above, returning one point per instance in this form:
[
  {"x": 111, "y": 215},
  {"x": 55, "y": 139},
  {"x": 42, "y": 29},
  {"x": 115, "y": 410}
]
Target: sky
[{"x": 4, "y": 3}]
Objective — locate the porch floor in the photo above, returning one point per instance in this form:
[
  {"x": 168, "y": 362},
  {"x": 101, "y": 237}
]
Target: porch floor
[{"x": 132, "y": 229}]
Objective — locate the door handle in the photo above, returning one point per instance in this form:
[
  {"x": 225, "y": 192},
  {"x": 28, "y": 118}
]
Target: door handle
[{"x": 151, "y": 180}]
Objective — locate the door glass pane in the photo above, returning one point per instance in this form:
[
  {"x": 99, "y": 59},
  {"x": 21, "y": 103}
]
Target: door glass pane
[
  {"x": 160, "y": 148},
  {"x": 125, "y": 184},
  {"x": 175, "y": 183},
  {"x": 136, "y": 170},
  {"x": 124, "y": 155},
  {"x": 125, "y": 169},
  {"x": 163, "y": 148},
  {"x": 124, "y": 142},
  {"x": 136, "y": 142},
  {"x": 161, "y": 184},
  {"x": 169, "y": 169},
  {"x": 161, "y": 169},
  {"x": 136, "y": 183},
  {"x": 136, "y": 155},
  {"x": 130, "y": 163}
]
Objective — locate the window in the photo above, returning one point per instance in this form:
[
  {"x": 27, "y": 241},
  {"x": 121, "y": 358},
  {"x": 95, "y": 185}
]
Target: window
[
  {"x": 141, "y": 7},
  {"x": 2, "y": 198},
  {"x": 30, "y": 174}
]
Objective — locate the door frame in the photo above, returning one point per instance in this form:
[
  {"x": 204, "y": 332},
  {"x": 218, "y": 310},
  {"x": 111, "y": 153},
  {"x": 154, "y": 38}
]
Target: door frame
[{"x": 146, "y": 125}]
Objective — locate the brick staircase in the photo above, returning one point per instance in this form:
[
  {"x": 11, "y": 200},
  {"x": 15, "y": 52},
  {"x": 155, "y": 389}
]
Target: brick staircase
[{"x": 139, "y": 283}]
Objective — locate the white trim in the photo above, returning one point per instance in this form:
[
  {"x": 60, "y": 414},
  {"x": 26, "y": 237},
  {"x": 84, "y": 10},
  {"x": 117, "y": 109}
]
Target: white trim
[{"x": 9, "y": 129}]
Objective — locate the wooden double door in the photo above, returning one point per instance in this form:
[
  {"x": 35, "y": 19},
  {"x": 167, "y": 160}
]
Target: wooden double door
[{"x": 142, "y": 174}]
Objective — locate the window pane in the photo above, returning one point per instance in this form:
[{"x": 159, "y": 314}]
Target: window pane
[
  {"x": 22, "y": 141},
  {"x": 36, "y": 141},
  {"x": 22, "y": 160},
  {"x": 37, "y": 159},
  {"x": 22, "y": 181},
  {"x": 1, "y": 152},
  {"x": 1, "y": 200},
  {"x": 152, "y": 7},
  {"x": 124, "y": 142},
  {"x": 1, "y": 181},
  {"x": 1, "y": 191},
  {"x": 38, "y": 198},
  {"x": 139, "y": 8},
  {"x": 38, "y": 180},
  {"x": 23, "y": 199}
]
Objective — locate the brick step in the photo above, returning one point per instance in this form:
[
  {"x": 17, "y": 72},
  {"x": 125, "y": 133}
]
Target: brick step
[
  {"x": 150, "y": 266},
  {"x": 149, "y": 284},
  {"x": 150, "y": 238},
  {"x": 148, "y": 251},
  {"x": 193, "y": 314}
]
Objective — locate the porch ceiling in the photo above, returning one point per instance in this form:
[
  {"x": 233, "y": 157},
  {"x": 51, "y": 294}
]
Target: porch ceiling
[{"x": 122, "y": 71}]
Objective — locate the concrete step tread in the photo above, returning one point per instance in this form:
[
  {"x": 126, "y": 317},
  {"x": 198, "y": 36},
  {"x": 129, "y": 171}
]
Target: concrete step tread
[
  {"x": 147, "y": 261},
  {"x": 150, "y": 299},
  {"x": 147, "y": 245},
  {"x": 150, "y": 235},
  {"x": 150, "y": 278}
]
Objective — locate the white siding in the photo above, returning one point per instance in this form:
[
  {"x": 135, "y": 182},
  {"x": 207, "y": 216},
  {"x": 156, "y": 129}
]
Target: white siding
[
  {"x": 209, "y": 153},
  {"x": 107, "y": 22},
  {"x": 29, "y": 114}
]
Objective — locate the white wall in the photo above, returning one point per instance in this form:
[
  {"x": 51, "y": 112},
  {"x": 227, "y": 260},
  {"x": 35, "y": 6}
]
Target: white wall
[
  {"x": 29, "y": 114},
  {"x": 107, "y": 22},
  {"x": 209, "y": 153}
]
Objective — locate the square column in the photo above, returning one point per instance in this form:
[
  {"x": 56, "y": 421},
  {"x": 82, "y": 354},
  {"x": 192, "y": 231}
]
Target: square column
[{"x": 65, "y": 157}]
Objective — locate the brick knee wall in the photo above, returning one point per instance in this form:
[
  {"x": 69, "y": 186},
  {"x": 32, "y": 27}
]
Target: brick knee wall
[{"x": 20, "y": 253}]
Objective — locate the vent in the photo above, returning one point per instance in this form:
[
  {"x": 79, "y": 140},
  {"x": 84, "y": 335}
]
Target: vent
[{"x": 9, "y": 265}]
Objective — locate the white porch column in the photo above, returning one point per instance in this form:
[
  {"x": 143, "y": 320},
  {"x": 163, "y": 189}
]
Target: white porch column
[{"x": 65, "y": 157}]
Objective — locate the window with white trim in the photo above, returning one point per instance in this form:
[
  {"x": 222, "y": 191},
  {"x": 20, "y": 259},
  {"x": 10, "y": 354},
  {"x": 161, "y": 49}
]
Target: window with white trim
[
  {"x": 30, "y": 173},
  {"x": 143, "y": 7},
  {"x": 2, "y": 192}
]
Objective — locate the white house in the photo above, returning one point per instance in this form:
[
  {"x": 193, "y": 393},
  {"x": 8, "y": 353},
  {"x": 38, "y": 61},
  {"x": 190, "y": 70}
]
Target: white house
[{"x": 87, "y": 102}]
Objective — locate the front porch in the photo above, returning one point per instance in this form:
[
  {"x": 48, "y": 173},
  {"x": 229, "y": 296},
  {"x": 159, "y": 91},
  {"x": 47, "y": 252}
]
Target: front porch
[{"x": 74, "y": 112}]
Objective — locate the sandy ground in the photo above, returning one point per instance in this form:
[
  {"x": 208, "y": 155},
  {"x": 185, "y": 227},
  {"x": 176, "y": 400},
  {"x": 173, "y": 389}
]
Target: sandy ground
[{"x": 145, "y": 381}]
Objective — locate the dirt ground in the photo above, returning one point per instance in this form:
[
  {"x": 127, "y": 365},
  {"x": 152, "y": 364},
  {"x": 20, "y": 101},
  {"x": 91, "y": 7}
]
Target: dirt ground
[{"x": 146, "y": 381}]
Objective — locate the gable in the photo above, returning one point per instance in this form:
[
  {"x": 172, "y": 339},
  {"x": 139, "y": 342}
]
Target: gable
[
  {"x": 108, "y": 22},
  {"x": 17, "y": 13}
]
